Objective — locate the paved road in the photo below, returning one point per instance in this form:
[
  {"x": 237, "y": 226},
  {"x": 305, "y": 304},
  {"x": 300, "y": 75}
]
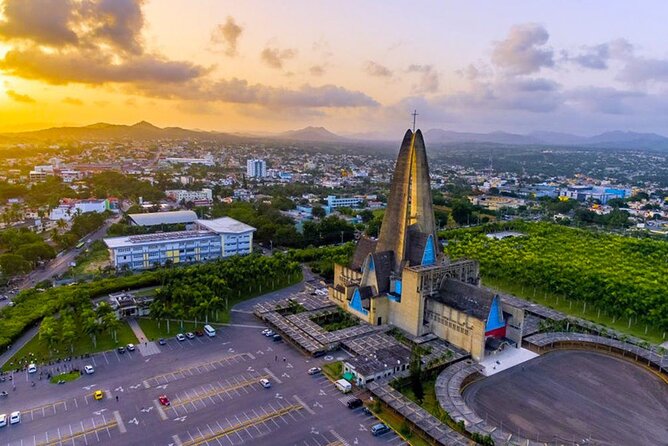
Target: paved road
[{"x": 214, "y": 391}]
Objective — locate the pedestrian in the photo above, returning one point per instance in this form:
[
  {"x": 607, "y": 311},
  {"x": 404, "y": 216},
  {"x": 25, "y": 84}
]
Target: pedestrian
[
  {"x": 275, "y": 358},
  {"x": 283, "y": 358},
  {"x": 116, "y": 397}
]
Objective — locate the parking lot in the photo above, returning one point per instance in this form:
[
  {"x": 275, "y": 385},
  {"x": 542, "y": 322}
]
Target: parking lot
[{"x": 214, "y": 392}]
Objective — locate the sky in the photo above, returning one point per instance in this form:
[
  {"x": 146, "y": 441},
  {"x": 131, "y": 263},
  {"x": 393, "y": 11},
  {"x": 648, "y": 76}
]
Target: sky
[{"x": 580, "y": 67}]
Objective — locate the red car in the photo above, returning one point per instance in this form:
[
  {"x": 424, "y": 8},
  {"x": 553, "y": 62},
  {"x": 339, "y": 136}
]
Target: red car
[{"x": 163, "y": 400}]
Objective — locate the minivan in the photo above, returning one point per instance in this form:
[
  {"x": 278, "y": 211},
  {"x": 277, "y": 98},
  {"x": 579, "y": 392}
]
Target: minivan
[
  {"x": 210, "y": 331},
  {"x": 379, "y": 429}
]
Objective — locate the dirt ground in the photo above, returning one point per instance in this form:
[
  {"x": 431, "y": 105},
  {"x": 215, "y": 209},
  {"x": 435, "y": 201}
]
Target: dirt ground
[{"x": 569, "y": 396}]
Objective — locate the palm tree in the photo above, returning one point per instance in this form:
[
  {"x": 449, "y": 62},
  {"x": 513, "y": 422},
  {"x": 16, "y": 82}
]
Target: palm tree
[
  {"x": 47, "y": 332},
  {"x": 112, "y": 324},
  {"x": 68, "y": 332},
  {"x": 90, "y": 325}
]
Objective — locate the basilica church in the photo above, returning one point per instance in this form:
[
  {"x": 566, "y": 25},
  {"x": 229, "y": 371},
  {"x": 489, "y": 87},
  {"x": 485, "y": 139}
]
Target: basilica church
[{"x": 404, "y": 279}]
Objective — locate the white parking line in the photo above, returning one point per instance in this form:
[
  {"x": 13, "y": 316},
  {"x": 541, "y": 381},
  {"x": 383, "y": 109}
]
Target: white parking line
[
  {"x": 304, "y": 405},
  {"x": 119, "y": 420},
  {"x": 177, "y": 440},
  {"x": 274, "y": 377}
]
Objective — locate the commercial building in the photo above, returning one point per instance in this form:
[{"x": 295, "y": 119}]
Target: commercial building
[
  {"x": 209, "y": 240},
  {"x": 337, "y": 202},
  {"x": 600, "y": 193},
  {"x": 190, "y": 196},
  {"x": 206, "y": 161},
  {"x": 256, "y": 168},
  {"x": 69, "y": 208},
  {"x": 403, "y": 278}
]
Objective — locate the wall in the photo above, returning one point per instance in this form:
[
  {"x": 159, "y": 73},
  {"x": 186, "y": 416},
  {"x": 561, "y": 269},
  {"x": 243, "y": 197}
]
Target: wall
[{"x": 460, "y": 329}]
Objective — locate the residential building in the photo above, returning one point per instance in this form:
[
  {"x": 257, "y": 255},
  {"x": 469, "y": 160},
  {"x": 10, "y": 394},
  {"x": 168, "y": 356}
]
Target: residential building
[
  {"x": 210, "y": 240},
  {"x": 256, "y": 168}
]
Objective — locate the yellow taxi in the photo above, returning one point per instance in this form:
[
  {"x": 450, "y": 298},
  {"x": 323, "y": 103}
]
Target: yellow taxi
[{"x": 98, "y": 395}]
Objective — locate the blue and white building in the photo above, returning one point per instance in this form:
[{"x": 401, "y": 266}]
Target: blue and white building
[
  {"x": 256, "y": 168},
  {"x": 210, "y": 240},
  {"x": 337, "y": 202}
]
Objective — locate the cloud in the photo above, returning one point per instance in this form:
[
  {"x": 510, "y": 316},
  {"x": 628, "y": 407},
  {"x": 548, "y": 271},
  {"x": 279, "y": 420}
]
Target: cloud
[
  {"x": 597, "y": 57},
  {"x": 317, "y": 70},
  {"x": 640, "y": 70},
  {"x": 42, "y": 21},
  {"x": 115, "y": 22},
  {"x": 89, "y": 67},
  {"x": 274, "y": 57},
  {"x": 429, "y": 79},
  {"x": 523, "y": 51},
  {"x": 227, "y": 35},
  {"x": 72, "y": 101},
  {"x": 375, "y": 69},
  {"x": 239, "y": 91},
  {"x": 18, "y": 97},
  {"x": 602, "y": 99}
]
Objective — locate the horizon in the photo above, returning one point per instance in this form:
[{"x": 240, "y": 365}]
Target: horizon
[{"x": 482, "y": 67}]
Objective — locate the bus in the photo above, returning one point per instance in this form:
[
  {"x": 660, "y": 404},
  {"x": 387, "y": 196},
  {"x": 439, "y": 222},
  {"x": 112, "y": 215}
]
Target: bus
[{"x": 79, "y": 245}]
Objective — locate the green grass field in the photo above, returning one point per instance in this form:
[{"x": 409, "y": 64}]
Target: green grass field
[
  {"x": 36, "y": 351},
  {"x": 67, "y": 377},
  {"x": 576, "y": 309}
]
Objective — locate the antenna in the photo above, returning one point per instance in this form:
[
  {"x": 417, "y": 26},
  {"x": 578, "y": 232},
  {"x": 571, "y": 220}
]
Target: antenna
[{"x": 415, "y": 115}]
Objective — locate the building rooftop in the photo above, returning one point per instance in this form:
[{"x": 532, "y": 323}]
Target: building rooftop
[
  {"x": 145, "y": 239},
  {"x": 381, "y": 360},
  {"x": 225, "y": 225},
  {"x": 469, "y": 299},
  {"x": 163, "y": 218}
]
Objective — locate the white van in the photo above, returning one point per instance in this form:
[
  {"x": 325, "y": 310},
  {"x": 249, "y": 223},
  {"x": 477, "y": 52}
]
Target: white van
[
  {"x": 209, "y": 330},
  {"x": 343, "y": 385}
]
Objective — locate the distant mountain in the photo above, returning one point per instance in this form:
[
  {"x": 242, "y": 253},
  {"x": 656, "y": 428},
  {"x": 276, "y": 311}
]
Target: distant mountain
[
  {"x": 614, "y": 139},
  {"x": 103, "y": 131},
  {"x": 319, "y": 134}
]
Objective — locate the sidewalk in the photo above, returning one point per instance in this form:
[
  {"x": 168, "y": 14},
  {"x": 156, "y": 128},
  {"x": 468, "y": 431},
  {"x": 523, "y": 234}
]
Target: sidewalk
[{"x": 145, "y": 347}]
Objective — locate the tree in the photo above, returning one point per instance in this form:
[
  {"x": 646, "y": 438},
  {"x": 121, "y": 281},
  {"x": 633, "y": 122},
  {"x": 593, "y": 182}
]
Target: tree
[
  {"x": 68, "y": 331},
  {"x": 13, "y": 264},
  {"x": 416, "y": 374},
  {"x": 112, "y": 325},
  {"x": 48, "y": 332},
  {"x": 90, "y": 325},
  {"x": 462, "y": 211},
  {"x": 318, "y": 212}
]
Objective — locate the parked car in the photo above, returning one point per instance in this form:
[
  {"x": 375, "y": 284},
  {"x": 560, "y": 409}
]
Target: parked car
[
  {"x": 180, "y": 337},
  {"x": 162, "y": 341},
  {"x": 32, "y": 368},
  {"x": 199, "y": 333},
  {"x": 270, "y": 333},
  {"x": 265, "y": 331},
  {"x": 367, "y": 411},
  {"x": 190, "y": 335},
  {"x": 379, "y": 429},
  {"x": 276, "y": 338},
  {"x": 164, "y": 400},
  {"x": 121, "y": 349},
  {"x": 131, "y": 347},
  {"x": 314, "y": 370},
  {"x": 3, "y": 420},
  {"x": 89, "y": 369},
  {"x": 98, "y": 395},
  {"x": 265, "y": 383},
  {"x": 354, "y": 403},
  {"x": 15, "y": 417}
]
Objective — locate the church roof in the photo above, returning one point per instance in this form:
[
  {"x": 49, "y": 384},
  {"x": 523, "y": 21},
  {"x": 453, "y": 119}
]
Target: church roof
[
  {"x": 365, "y": 246},
  {"x": 469, "y": 299},
  {"x": 417, "y": 241},
  {"x": 383, "y": 263}
]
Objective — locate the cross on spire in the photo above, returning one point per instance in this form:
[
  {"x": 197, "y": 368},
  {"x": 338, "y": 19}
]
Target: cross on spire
[{"x": 415, "y": 115}]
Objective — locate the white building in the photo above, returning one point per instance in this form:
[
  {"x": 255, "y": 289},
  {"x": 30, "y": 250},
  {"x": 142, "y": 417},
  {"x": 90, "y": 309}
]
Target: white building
[
  {"x": 68, "y": 208},
  {"x": 206, "y": 161},
  {"x": 187, "y": 196},
  {"x": 256, "y": 168},
  {"x": 212, "y": 239},
  {"x": 163, "y": 218},
  {"x": 334, "y": 202}
]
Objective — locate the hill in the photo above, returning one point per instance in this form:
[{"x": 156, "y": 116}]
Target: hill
[{"x": 320, "y": 134}]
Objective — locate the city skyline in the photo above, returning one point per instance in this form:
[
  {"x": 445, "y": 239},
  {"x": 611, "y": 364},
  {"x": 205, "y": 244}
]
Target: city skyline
[{"x": 255, "y": 66}]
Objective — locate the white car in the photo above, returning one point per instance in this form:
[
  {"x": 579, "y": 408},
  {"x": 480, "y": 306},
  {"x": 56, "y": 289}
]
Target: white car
[
  {"x": 3, "y": 420},
  {"x": 265, "y": 331},
  {"x": 32, "y": 368},
  {"x": 270, "y": 333},
  {"x": 131, "y": 347},
  {"x": 180, "y": 337},
  {"x": 314, "y": 370},
  {"x": 89, "y": 369},
  {"x": 15, "y": 417},
  {"x": 265, "y": 383}
]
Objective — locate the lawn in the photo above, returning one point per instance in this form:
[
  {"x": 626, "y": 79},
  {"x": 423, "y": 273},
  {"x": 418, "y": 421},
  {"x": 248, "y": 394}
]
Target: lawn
[
  {"x": 333, "y": 370},
  {"x": 94, "y": 258},
  {"x": 577, "y": 309},
  {"x": 36, "y": 351},
  {"x": 67, "y": 377},
  {"x": 156, "y": 330}
]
